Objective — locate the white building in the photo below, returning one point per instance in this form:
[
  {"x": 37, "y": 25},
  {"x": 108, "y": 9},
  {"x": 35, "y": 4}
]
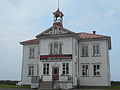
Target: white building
[{"x": 67, "y": 58}]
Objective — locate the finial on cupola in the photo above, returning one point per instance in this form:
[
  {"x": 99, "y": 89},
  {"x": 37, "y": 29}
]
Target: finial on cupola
[{"x": 58, "y": 17}]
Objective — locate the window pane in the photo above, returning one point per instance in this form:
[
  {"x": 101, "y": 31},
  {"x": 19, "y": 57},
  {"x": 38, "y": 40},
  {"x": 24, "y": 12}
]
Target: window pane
[
  {"x": 46, "y": 69},
  {"x": 55, "y": 71},
  {"x": 96, "y": 50},
  {"x": 67, "y": 65},
  {"x": 98, "y": 66},
  {"x": 85, "y": 71},
  {"x": 76, "y": 48},
  {"x": 93, "y": 50},
  {"x": 63, "y": 72},
  {"x": 47, "y": 72},
  {"x": 60, "y": 48},
  {"x": 47, "y": 65},
  {"x": 31, "y": 53},
  {"x": 84, "y": 51},
  {"x": 63, "y": 64},
  {"x": 65, "y": 68},
  {"x": 67, "y": 72},
  {"x": 55, "y": 48},
  {"x": 51, "y": 48},
  {"x": 30, "y": 70},
  {"x": 29, "y": 73},
  {"x": 96, "y": 70}
]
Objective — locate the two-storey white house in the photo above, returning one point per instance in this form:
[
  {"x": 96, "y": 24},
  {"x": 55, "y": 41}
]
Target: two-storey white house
[{"x": 67, "y": 58}]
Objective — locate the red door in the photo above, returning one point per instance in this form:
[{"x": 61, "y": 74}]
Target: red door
[{"x": 55, "y": 73}]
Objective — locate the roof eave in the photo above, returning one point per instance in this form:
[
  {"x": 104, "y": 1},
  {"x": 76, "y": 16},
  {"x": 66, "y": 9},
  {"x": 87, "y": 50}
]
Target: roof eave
[
  {"x": 109, "y": 43},
  {"x": 102, "y": 38},
  {"x": 29, "y": 43},
  {"x": 32, "y": 41},
  {"x": 58, "y": 35}
]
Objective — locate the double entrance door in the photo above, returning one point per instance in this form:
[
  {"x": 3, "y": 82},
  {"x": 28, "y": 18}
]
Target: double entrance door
[{"x": 55, "y": 73}]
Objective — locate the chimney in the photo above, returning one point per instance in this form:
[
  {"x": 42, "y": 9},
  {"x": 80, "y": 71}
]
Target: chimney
[{"x": 94, "y": 32}]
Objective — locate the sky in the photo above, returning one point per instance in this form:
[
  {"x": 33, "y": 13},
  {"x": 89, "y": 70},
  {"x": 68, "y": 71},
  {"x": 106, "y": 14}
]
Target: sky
[{"x": 22, "y": 20}]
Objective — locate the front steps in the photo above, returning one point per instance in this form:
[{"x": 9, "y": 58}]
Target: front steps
[
  {"x": 55, "y": 85},
  {"x": 45, "y": 85}
]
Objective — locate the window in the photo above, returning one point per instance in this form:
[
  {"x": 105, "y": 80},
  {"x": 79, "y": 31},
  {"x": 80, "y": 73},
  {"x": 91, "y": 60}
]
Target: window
[
  {"x": 76, "y": 48},
  {"x": 38, "y": 52},
  {"x": 46, "y": 68},
  {"x": 30, "y": 70},
  {"x": 85, "y": 70},
  {"x": 76, "y": 69},
  {"x": 84, "y": 51},
  {"x": 31, "y": 53},
  {"x": 55, "y": 48},
  {"x": 55, "y": 71},
  {"x": 51, "y": 48},
  {"x": 60, "y": 31},
  {"x": 96, "y": 70},
  {"x": 37, "y": 69},
  {"x": 65, "y": 67},
  {"x": 96, "y": 50},
  {"x": 55, "y": 30},
  {"x": 60, "y": 48}
]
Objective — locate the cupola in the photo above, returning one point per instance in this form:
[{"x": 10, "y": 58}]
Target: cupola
[{"x": 58, "y": 18}]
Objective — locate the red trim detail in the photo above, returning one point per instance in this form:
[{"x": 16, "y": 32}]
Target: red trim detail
[
  {"x": 58, "y": 24},
  {"x": 47, "y": 56}
]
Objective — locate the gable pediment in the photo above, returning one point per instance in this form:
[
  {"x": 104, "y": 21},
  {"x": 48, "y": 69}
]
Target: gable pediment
[{"x": 55, "y": 30}]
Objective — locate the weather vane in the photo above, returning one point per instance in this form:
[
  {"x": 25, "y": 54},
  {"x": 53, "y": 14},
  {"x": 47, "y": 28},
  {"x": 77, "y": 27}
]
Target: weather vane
[{"x": 58, "y": 3}]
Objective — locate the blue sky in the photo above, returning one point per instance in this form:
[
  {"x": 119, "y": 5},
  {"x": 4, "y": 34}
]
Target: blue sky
[{"x": 23, "y": 19}]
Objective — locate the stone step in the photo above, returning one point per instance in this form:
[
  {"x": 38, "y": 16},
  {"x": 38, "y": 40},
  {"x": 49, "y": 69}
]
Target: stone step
[
  {"x": 46, "y": 85},
  {"x": 60, "y": 89},
  {"x": 45, "y": 89}
]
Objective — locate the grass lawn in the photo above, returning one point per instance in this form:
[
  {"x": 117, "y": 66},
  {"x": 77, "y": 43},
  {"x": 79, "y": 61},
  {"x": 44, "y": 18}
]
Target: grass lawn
[
  {"x": 99, "y": 88},
  {"x": 12, "y": 86},
  {"x": 113, "y": 88}
]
